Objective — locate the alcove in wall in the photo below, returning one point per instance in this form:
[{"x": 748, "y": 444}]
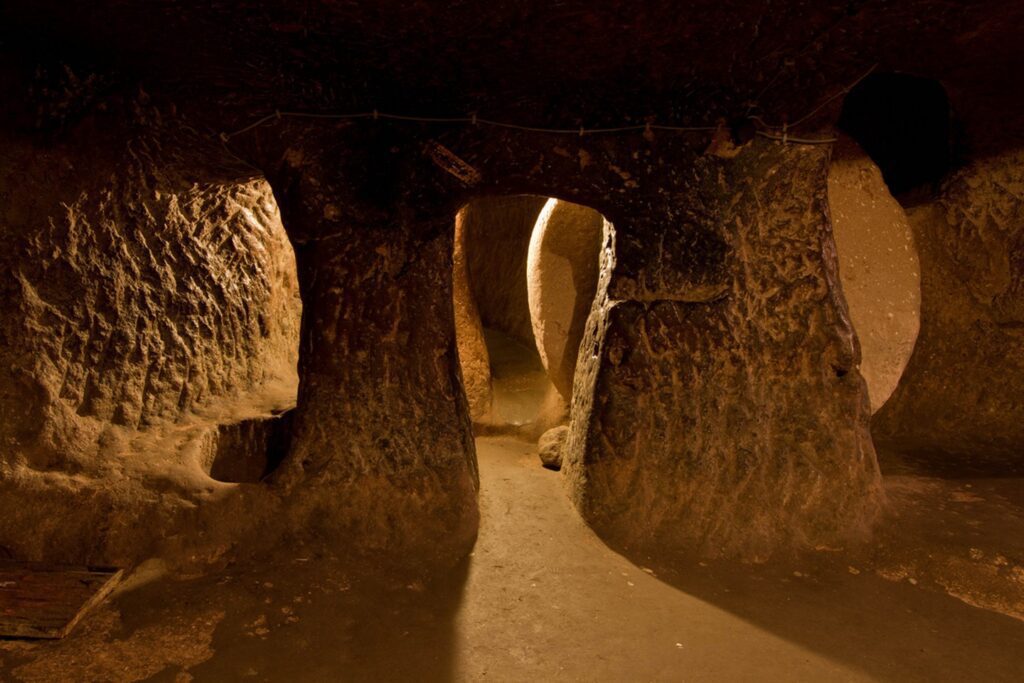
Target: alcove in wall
[
  {"x": 904, "y": 123},
  {"x": 526, "y": 271}
]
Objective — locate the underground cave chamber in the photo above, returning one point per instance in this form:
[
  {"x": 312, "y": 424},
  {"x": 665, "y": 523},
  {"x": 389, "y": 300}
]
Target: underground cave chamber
[
  {"x": 685, "y": 338},
  {"x": 309, "y": 313},
  {"x": 526, "y": 272}
]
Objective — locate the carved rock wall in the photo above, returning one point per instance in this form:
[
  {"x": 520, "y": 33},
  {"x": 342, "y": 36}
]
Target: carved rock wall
[
  {"x": 562, "y": 273},
  {"x": 963, "y": 389},
  {"x": 134, "y": 292},
  {"x": 474, "y": 359},
  {"x": 381, "y": 443},
  {"x": 720, "y": 410},
  {"x": 498, "y": 233},
  {"x": 150, "y": 293},
  {"x": 382, "y": 454},
  {"x": 878, "y": 267}
]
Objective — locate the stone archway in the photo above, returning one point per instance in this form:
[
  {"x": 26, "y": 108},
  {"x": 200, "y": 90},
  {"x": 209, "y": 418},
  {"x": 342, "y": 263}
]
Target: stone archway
[
  {"x": 491, "y": 307},
  {"x": 718, "y": 407},
  {"x": 526, "y": 269}
]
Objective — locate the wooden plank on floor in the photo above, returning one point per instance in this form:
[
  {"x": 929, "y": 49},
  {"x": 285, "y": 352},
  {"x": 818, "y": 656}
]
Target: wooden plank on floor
[{"x": 46, "y": 601}]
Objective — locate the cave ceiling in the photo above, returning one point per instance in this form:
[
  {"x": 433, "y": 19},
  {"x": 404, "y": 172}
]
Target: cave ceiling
[{"x": 562, "y": 62}]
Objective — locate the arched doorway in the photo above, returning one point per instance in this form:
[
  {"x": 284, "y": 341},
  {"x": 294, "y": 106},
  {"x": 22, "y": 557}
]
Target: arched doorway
[{"x": 526, "y": 273}]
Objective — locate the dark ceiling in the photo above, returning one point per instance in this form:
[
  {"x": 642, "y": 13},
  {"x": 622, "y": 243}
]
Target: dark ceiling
[{"x": 537, "y": 61}]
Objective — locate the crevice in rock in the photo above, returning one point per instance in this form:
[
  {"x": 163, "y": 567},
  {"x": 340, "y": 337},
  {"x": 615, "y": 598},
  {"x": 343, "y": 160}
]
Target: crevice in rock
[{"x": 250, "y": 450}]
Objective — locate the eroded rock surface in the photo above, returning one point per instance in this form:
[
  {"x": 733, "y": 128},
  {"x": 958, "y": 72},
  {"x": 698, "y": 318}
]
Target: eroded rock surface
[
  {"x": 719, "y": 407},
  {"x": 562, "y": 271},
  {"x": 878, "y": 268},
  {"x": 550, "y": 445},
  {"x": 142, "y": 287},
  {"x": 134, "y": 293},
  {"x": 497, "y": 237},
  {"x": 963, "y": 390},
  {"x": 693, "y": 424},
  {"x": 474, "y": 360},
  {"x": 382, "y": 456}
]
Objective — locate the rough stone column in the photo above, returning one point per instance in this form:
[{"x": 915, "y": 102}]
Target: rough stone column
[
  {"x": 962, "y": 395},
  {"x": 717, "y": 403},
  {"x": 561, "y": 274},
  {"x": 382, "y": 456},
  {"x": 469, "y": 332}
]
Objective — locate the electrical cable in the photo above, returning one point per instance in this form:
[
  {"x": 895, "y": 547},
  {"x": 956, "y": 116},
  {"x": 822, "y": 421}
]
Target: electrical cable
[
  {"x": 463, "y": 119},
  {"x": 771, "y": 132}
]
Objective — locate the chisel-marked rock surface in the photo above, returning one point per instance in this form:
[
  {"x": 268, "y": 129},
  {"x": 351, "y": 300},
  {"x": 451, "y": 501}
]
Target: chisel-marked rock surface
[
  {"x": 692, "y": 425},
  {"x": 878, "y": 268},
  {"x": 962, "y": 394},
  {"x": 145, "y": 299},
  {"x": 562, "y": 271}
]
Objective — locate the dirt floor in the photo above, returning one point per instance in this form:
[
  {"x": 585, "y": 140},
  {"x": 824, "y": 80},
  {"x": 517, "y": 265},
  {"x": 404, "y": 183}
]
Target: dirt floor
[
  {"x": 541, "y": 598},
  {"x": 936, "y": 597},
  {"x": 518, "y": 380}
]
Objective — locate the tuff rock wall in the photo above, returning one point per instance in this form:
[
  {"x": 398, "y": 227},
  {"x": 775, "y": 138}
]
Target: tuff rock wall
[
  {"x": 474, "y": 359},
  {"x": 492, "y": 245},
  {"x": 719, "y": 408},
  {"x": 562, "y": 272},
  {"x": 878, "y": 267},
  {"x": 144, "y": 285},
  {"x": 693, "y": 424},
  {"x": 497, "y": 239},
  {"x": 962, "y": 393},
  {"x": 132, "y": 293},
  {"x": 382, "y": 456}
]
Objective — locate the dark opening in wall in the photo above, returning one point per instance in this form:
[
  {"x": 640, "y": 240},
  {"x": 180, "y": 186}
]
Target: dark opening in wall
[
  {"x": 249, "y": 450},
  {"x": 905, "y": 124},
  {"x": 525, "y": 277}
]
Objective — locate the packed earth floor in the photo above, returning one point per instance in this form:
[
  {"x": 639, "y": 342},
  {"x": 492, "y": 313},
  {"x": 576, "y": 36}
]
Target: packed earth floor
[
  {"x": 513, "y": 340},
  {"x": 543, "y": 598}
]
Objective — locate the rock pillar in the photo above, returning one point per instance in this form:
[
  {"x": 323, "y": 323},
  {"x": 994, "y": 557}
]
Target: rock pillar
[{"x": 719, "y": 408}]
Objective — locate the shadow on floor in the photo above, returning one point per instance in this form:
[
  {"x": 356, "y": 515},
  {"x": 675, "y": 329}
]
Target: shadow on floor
[
  {"x": 902, "y": 457},
  {"x": 543, "y": 598},
  {"x": 891, "y": 630},
  {"x": 359, "y": 632},
  {"x": 300, "y": 621},
  {"x": 938, "y": 595}
]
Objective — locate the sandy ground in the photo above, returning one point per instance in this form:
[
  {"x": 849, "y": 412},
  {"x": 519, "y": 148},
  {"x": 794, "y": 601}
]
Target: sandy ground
[
  {"x": 518, "y": 379},
  {"x": 541, "y": 598}
]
